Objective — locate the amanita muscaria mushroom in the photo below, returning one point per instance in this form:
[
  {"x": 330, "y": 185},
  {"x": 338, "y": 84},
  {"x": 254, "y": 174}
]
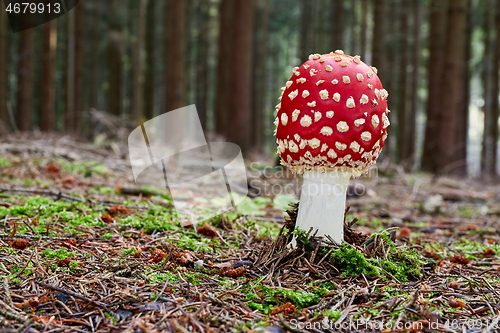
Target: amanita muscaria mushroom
[{"x": 331, "y": 124}]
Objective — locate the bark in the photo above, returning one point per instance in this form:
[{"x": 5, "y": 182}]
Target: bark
[
  {"x": 25, "y": 80},
  {"x": 460, "y": 154},
  {"x": 322, "y": 43},
  {"x": 495, "y": 90},
  {"x": 3, "y": 69},
  {"x": 149, "y": 79},
  {"x": 260, "y": 75},
  {"x": 307, "y": 25},
  {"x": 241, "y": 72},
  {"x": 175, "y": 54},
  {"x": 79, "y": 45},
  {"x": 414, "y": 77},
  {"x": 47, "y": 114},
  {"x": 403, "y": 118},
  {"x": 138, "y": 78},
  {"x": 364, "y": 21},
  {"x": 378, "y": 42},
  {"x": 383, "y": 52},
  {"x": 224, "y": 75},
  {"x": 115, "y": 54},
  {"x": 451, "y": 113},
  {"x": 438, "y": 23},
  {"x": 94, "y": 55},
  {"x": 487, "y": 162},
  {"x": 338, "y": 25},
  {"x": 68, "y": 72},
  {"x": 352, "y": 18},
  {"x": 202, "y": 62}
]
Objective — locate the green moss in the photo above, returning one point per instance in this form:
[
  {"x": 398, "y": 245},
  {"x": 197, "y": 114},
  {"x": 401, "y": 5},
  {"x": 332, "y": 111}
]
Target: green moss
[
  {"x": 468, "y": 212},
  {"x": 334, "y": 315},
  {"x": 4, "y": 163},
  {"x": 351, "y": 262},
  {"x": 73, "y": 264},
  {"x": 61, "y": 253},
  {"x": 132, "y": 251},
  {"x": 272, "y": 296},
  {"x": 266, "y": 308},
  {"x": 107, "y": 235}
]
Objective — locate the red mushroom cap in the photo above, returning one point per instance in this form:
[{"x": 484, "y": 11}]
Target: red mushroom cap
[{"x": 333, "y": 115}]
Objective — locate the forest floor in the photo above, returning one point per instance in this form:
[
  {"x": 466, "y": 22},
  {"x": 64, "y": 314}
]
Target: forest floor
[{"x": 83, "y": 249}]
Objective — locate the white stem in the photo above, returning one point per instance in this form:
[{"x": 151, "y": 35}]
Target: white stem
[{"x": 322, "y": 203}]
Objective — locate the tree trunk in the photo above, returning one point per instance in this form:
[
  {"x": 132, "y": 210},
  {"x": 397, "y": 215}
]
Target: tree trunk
[
  {"x": 378, "y": 42},
  {"x": 451, "y": 108},
  {"x": 487, "y": 162},
  {"x": 3, "y": 70},
  {"x": 338, "y": 25},
  {"x": 149, "y": 79},
  {"x": 175, "y": 55},
  {"x": 414, "y": 77},
  {"x": 260, "y": 74},
  {"x": 364, "y": 21},
  {"x": 79, "y": 44},
  {"x": 47, "y": 114},
  {"x": 382, "y": 53},
  {"x": 460, "y": 154},
  {"x": 495, "y": 90},
  {"x": 438, "y": 19},
  {"x": 94, "y": 55},
  {"x": 241, "y": 71},
  {"x": 202, "y": 62},
  {"x": 224, "y": 74},
  {"x": 322, "y": 43},
  {"x": 115, "y": 54},
  {"x": 68, "y": 73},
  {"x": 402, "y": 111},
  {"x": 138, "y": 78},
  {"x": 307, "y": 25},
  {"x": 25, "y": 80}
]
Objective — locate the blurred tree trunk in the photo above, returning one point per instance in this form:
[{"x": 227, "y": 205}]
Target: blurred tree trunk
[
  {"x": 403, "y": 119},
  {"x": 378, "y": 41},
  {"x": 47, "y": 111},
  {"x": 3, "y": 69},
  {"x": 452, "y": 99},
  {"x": 352, "y": 17},
  {"x": 234, "y": 85},
  {"x": 175, "y": 54},
  {"x": 241, "y": 71},
  {"x": 224, "y": 75},
  {"x": 382, "y": 47},
  {"x": 260, "y": 73},
  {"x": 364, "y": 21},
  {"x": 438, "y": 23},
  {"x": 138, "y": 78},
  {"x": 414, "y": 77},
  {"x": 307, "y": 27},
  {"x": 115, "y": 54},
  {"x": 495, "y": 90},
  {"x": 461, "y": 133},
  {"x": 202, "y": 62},
  {"x": 25, "y": 80},
  {"x": 79, "y": 44},
  {"x": 322, "y": 43},
  {"x": 94, "y": 55},
  {"x": 149, "y": 79},
  {"x": 487, "y": 162},
  {"x": 338, "y": 25},
  {"x": 68, "y": 73}
]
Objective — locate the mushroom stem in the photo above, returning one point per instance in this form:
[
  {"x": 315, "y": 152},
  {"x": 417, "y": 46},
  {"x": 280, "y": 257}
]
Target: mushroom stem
[{"x": 322, "y": 203}]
